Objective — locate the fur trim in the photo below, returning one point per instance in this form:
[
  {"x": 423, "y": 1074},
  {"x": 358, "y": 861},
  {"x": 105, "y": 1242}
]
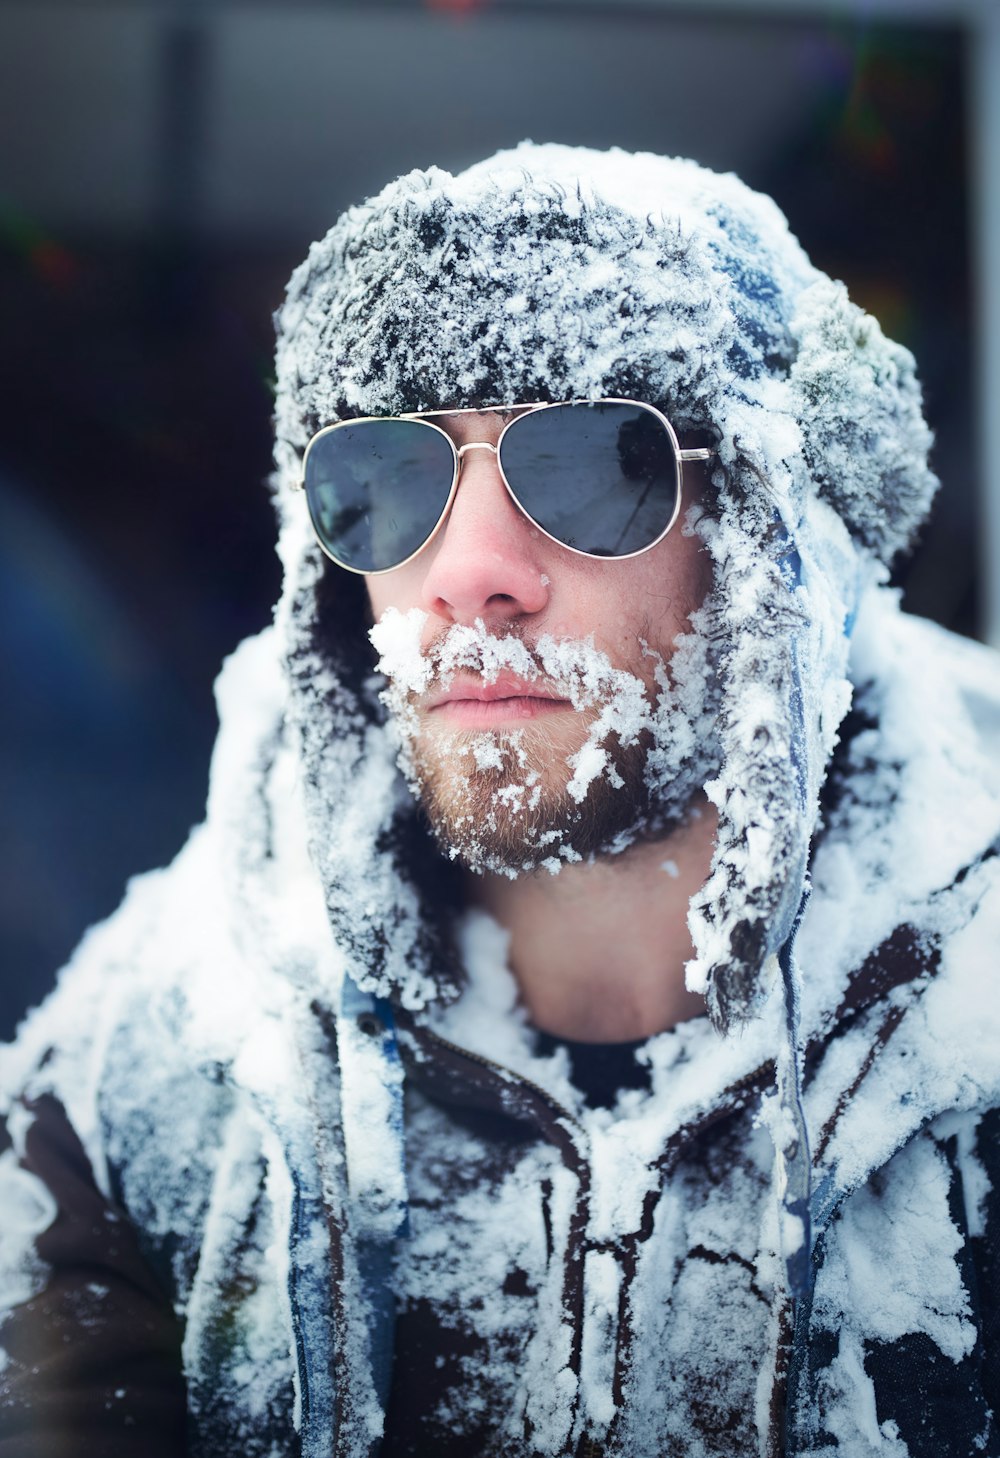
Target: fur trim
[{"x": 552, "y": 273}]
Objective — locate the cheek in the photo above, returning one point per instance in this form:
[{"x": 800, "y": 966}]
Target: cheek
[
  {"x": 390, "y": 589},
  {"x": 666, "y": 586},
  {"x": 373, "y": 586}
]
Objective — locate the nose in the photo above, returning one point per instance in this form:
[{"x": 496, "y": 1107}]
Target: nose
[{"x": 485, "y": 561}]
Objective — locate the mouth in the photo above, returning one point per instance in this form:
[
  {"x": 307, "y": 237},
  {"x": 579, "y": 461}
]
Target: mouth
[{"x": 470, "y": 703}]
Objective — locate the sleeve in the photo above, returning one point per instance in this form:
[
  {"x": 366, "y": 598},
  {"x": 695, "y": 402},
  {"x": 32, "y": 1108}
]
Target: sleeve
[
  {"x": 940, "y": 1404},
  {"x": 985, "y": 1252},
  {"x": 90, "y": 1356}
]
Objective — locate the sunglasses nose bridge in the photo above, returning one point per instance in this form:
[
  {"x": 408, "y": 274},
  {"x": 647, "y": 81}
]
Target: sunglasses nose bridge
[
  {"x": 474, "y": 445},
  {"x": 484, "y": 445},
  {"x": 484, "y": 564}
]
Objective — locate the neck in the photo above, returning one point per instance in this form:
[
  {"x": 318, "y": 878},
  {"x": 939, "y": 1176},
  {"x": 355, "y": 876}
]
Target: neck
[{"x": 598, "y": 950}]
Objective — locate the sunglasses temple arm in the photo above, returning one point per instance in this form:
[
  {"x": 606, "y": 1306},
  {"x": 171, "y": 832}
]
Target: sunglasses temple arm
[{"x": 702, "y": 454}]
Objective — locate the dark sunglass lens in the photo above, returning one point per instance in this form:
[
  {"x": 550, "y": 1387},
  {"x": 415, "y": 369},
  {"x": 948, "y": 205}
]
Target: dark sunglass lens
[
  {"x": 599, "y": 476},
  {"x": 376, "y": 490}
]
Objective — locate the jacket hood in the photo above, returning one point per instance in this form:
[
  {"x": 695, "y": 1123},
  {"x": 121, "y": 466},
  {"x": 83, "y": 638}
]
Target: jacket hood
[{"x": 552, "y": 273}]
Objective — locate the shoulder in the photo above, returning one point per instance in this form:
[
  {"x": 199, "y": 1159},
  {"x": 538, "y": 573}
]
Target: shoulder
[
  {"x": 898, "y": 949},
  {"x": 140, "y": 1048},
  {"x": 145, "y": 1186},
  {"x": 907, "y": 860},
  {"x": 934, "y": 694},
  {"x": 905, "y": 1346},
  {"x": 89, "y": 1340}
]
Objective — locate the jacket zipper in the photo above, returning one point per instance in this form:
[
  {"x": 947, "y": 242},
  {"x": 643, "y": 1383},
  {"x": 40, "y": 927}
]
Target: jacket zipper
[
  {"x": 588, "y": 1447},
  {"x": 506, "y": 1072},
  {"x": 723, "y": 1107}
]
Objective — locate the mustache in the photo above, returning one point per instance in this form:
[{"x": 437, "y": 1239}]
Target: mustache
[
  {"x": 571, "y": 668},
  {"x": 413, "y": 668},
  {"x": 476, "y": 650}
]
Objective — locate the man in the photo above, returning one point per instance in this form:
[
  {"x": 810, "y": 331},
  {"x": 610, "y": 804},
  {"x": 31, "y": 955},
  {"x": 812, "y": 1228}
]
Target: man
[{"x": 601, "y": 719}]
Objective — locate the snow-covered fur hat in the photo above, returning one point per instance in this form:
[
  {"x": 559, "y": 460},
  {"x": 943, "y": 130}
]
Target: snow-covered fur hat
[{"x": 550, "y": 272}]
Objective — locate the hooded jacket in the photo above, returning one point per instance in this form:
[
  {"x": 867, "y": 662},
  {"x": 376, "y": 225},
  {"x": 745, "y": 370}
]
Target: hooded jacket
[{"x": 291, "y": 1072}]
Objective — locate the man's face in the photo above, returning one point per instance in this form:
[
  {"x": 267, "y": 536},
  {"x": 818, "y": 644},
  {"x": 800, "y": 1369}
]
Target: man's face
[{"x": 519, "y": 767}]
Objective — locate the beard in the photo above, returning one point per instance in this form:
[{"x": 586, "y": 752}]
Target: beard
[
  {"x": 622, "y": 764},
  {"x": 499, "y": 802}
]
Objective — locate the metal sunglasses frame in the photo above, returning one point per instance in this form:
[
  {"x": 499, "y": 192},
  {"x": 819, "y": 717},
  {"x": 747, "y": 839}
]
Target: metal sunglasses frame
[{"x": 427, "y": 417}]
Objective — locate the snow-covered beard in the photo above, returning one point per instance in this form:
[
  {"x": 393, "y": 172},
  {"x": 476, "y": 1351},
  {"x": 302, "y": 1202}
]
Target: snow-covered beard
[{"x": 513, "y": 801}]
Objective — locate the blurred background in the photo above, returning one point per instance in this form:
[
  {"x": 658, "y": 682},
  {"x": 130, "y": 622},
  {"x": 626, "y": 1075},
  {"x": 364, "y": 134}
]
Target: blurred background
[{"x": 164, "y": 165}]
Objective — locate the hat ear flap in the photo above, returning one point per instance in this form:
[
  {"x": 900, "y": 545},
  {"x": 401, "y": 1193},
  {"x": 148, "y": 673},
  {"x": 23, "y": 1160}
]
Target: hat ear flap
[{"x": 857, "y": 402}]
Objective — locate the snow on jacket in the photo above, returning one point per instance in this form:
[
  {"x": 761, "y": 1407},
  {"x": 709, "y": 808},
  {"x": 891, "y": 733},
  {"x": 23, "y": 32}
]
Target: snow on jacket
[{"x": 279, "y": 1101}]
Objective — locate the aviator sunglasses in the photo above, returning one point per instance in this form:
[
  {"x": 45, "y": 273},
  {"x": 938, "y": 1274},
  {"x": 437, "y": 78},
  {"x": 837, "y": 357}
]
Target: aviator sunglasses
[{"x": 600, "y": 477}]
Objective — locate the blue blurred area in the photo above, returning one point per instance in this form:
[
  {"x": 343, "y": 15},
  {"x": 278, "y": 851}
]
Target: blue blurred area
[{"x": 97, "y": 745}]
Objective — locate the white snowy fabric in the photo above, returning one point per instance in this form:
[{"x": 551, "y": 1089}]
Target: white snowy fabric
[{"x": 186, "y": 1054}]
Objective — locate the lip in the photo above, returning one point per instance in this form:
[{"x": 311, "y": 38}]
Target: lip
[{"x": 473, "y": 703}]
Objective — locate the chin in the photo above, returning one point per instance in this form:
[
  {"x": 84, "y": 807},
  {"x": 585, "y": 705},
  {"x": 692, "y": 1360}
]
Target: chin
[{"x": 506, "y": 816}]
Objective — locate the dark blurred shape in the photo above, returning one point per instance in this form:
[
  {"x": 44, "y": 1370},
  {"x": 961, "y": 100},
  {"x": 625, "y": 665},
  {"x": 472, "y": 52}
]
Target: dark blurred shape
[
  {"x": 877, "y": 189},
  {"x": 135, "y": 551},
  {"x": 94, "y": 741},
  {"x": 176, "y": 293}
]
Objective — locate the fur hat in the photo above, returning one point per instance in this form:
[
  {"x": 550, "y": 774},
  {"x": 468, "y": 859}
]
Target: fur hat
[{"x": 553, "y": 273}]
